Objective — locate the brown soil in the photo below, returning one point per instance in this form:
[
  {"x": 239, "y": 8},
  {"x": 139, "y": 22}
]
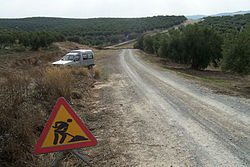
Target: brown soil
[{"x": 220, "y": 82}]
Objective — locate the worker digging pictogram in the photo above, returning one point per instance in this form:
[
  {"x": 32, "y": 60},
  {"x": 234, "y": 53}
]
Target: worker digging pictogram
[{"x": 60, "y": 129}]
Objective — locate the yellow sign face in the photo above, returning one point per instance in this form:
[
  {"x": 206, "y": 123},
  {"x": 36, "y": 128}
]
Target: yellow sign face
[{"x": 64, "y": 130}]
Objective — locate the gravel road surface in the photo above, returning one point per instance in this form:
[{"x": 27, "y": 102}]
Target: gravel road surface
[{"x": 166, "y": 120}]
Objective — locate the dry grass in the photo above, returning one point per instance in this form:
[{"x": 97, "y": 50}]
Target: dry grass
[
  {"x": 82, "y": 71},
  {"x": 19, "y": 121},
  {"x": 97, "y": 74},
  {"x": 23, "y": 102},
  {"x": 56, "y": 82},
  {"x": 15, "y": 88}
]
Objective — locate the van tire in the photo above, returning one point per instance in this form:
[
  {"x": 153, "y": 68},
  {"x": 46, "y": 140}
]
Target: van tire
[{"x": 90, "y": 67}]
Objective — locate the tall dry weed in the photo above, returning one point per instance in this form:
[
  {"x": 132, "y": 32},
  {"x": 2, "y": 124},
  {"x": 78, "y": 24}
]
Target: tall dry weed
[
  {"x": 18, "y": 121},
  {"x": 97, "y": 74},
  {"x": 15, "y": 88},
  {"x": 57, "y": 82},
  {"x": 82, "y": 71}
]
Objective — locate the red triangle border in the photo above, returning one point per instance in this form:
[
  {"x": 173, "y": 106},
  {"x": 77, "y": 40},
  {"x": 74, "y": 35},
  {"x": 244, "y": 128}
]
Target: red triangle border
[{"x": 62, "y": 101}]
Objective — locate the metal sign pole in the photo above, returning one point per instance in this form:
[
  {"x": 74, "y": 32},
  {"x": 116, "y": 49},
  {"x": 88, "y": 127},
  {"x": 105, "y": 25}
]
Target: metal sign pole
[
  {"x": 58, "y": 157},
  {"x": 81, "y": 157}
]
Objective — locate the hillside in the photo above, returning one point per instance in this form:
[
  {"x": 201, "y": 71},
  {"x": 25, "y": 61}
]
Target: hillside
[
  {"x": 219, "y": 14},
  {"x": 96, "y": 31},
  {"x": 232, "y": 13},
  {"x": 225, "y": 24}
]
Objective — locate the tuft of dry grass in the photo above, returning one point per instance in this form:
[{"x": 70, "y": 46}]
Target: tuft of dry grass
[
  {"x": 82, "y": 71},
  {"x": 58, "y": 81},
  {"x": 15, "y": 88},
  {"x": 97, "y": 74}
]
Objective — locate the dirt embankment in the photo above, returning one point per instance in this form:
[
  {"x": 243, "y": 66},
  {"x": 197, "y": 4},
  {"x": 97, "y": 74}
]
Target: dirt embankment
[{"x": 213, "y": 78}]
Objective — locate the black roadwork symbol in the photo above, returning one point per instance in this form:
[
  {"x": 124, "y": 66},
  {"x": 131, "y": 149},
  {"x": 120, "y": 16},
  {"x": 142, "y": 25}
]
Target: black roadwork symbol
[{"x": 61, "y": 129}]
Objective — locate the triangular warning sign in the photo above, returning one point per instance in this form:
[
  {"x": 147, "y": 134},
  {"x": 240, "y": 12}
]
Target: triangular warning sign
[{"x": 63, "y": 131}]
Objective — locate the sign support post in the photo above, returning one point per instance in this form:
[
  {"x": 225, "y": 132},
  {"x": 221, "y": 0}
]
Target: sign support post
[
  {"x": 81, "y": 157},
  {"x": 60, "y": 154},
  {"x": 58, "y": 157}
]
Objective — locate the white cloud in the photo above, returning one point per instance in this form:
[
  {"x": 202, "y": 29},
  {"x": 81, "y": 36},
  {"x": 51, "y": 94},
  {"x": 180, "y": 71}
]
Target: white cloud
[{"x": 117, "y": 8}]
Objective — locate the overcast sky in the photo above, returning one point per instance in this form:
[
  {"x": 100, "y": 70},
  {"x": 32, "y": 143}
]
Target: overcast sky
[{"x": 116, "y": 8}]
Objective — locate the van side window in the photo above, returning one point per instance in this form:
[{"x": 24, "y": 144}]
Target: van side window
[
  {"x": 84, "y": 56},
  {"x": 77, "y": 58},
  {"x": 90, "y": 56}
]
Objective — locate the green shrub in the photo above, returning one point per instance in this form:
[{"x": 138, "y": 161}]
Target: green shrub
[{"x": 236, "y": 53}]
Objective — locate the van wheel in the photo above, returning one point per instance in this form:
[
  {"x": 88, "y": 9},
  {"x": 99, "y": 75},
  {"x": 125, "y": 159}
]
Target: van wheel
[{"x": 90, "y": 67}]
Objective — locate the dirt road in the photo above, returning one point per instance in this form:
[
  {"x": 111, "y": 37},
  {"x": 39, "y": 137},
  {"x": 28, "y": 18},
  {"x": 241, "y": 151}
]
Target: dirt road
[{"x": 164, "y": 120}]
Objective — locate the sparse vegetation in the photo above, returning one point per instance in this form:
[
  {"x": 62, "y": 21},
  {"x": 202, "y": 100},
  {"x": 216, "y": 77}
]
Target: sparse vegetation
[
  {"x": 97, "y": 31},
  {"x": 26, "y": 100}
]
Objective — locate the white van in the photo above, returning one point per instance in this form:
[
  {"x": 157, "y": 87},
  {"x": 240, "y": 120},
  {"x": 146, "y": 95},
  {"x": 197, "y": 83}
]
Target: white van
[{"x": 84, "y": 58}]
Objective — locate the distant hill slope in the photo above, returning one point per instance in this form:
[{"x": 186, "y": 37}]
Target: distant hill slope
[
  {"x": 96, "y": 31},
  {"x": 219, "y": 14},
  {"x": 225, "y": 24},
  {"x": 232, "y": 13},
  {"x": 195, "y": 17}
]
